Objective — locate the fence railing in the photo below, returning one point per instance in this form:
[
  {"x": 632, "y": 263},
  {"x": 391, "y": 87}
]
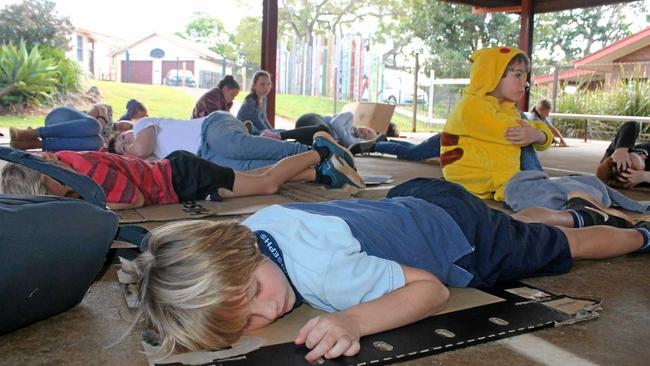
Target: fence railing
[{"x": 597, "y": 117}]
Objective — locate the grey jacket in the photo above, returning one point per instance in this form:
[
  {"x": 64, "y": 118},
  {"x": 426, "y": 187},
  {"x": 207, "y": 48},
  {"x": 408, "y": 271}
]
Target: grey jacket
[{"x": 532, "y": 188}]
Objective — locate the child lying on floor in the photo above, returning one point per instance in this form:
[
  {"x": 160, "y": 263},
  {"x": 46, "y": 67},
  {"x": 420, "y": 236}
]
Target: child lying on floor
[
  {"x": 130, "y": 182},
  {"x": 374, "y": 265}
]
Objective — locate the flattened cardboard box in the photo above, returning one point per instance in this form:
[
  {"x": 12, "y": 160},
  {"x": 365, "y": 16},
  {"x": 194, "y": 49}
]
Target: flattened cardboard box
[{"x": 374, "y": 115}]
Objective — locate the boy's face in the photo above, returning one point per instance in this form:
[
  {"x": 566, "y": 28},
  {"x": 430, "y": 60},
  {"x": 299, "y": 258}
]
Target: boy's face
[
  {"x": 512, "y": 86},
  {"x": 123, "y": 142},
  {"x": 272, "y": 296}
]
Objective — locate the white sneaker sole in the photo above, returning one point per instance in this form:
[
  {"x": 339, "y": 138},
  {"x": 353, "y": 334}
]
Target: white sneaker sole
[{"x": 342, "y": 166}]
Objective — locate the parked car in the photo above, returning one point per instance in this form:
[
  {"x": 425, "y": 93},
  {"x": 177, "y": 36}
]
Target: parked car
[
  {"x": 177, "y": 77},
  {"x": 404, "y": 96}
]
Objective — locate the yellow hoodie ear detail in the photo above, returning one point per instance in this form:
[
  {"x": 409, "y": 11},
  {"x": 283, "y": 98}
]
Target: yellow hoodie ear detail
[{"x": 488, "y": 66}]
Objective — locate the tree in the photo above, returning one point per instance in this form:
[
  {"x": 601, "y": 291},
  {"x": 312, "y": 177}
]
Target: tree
[
  {"x": 248, "y": 38},
  {"x": 210, "y": 32},
  {"x": 36, "y": 22},
  {"x": 452, "y": 32},
  {"x": 573, "y": 34}
]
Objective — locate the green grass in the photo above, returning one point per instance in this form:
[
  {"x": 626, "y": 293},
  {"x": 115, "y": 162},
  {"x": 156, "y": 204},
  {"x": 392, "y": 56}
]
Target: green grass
[
  {"x": 162, "y": 101},
  {"x": 171, "y": 102}
]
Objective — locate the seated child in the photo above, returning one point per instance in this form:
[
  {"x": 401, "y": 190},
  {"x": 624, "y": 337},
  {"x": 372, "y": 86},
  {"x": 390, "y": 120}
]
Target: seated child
[
  {"x": 482, "y": 139},
  {"x": 624, "y": 163},
  {"x": 130, "y": 182},
  {"x": 374, "y": 265}
]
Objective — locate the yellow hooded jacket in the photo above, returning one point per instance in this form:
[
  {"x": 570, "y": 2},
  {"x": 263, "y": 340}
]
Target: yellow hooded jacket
[{"x": 474, "y": 151}]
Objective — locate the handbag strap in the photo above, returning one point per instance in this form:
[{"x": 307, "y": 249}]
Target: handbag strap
[{"x": 86, "y": 187}]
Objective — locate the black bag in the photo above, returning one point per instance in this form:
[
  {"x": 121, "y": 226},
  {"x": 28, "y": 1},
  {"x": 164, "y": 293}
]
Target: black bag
[{"x": 51, "y": 248}]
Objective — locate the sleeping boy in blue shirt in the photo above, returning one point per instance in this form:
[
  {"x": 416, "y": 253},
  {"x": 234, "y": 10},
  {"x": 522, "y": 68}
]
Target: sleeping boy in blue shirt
[{"x": 373, "y": 265}]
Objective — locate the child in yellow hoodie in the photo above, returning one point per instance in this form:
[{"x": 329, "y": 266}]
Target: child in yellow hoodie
[{"x": 482, "y": 140}]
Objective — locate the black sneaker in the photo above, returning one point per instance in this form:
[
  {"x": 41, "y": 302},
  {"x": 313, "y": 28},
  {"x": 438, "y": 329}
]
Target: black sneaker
[
  {"x": 600, "y": 215},
  {"x": 363, "y": 147}
]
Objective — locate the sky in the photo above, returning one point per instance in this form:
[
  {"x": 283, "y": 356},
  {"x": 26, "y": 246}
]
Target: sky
[{"x": 133, "y": 19}]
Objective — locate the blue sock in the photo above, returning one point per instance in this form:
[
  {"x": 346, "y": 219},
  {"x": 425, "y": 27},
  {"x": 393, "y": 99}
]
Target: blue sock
[
  {"x": 577, "y": 219},
  {"x": 646, "y": 240}
]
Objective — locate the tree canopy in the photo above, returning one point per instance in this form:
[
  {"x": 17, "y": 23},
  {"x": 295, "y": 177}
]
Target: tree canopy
[{"x": 35, "y": 22}]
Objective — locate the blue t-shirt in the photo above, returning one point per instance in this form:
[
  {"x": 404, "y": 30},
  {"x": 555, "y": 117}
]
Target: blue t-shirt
[
  {"x": 250, "y": 111},
  {"x": 342, "y": 253}
]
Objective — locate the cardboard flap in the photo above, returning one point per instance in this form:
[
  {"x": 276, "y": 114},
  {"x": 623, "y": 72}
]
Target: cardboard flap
[{"x": 374, "y": 115}]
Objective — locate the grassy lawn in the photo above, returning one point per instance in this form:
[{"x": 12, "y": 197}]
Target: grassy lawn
[
  {"x": 172, "y": 102},
  {"x": 162, "y": 101}
]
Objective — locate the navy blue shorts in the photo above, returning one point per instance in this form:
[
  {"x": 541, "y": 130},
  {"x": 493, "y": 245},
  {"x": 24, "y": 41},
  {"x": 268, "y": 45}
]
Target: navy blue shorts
[{"x": 505, "y": 249}]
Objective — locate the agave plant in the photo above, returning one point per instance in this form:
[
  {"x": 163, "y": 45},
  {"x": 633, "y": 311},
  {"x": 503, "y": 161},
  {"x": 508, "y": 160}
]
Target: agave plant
[{"x": 26, "y": 74}]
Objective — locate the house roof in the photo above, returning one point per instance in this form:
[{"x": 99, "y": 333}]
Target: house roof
[
  {"x": 112, "y": 40},
  {"x": 570, "y": 74},
  {"x": 540, "y": 6},
  {"x": 615, "y": 51},
  {"x": 196, "y": 48}
]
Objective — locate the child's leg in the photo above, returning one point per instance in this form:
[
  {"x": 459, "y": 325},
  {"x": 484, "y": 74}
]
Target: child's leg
[
  {"x": 269, "y": 179},
  {"x": 545, "y": 216},
  {"x": 597, "y": 242}
]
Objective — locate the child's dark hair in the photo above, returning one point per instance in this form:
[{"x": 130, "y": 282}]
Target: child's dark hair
[
  {"x": 520, "y": 58},
  {"x": 111, "y": 144},
  {"x": 229, "y": 82},
  {"x": 543, "y": 103},
  {"x": 392, "y": 130}
]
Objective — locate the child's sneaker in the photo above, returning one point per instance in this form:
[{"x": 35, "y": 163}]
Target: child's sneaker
[
  {"x": 340, "y": 173},
  {"x": 600, "y": 215},
  {"x": 324, "y": 139}
]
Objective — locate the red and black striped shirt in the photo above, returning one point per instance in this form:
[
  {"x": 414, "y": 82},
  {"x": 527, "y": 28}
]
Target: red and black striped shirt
[{"x": 122, "y": 176}]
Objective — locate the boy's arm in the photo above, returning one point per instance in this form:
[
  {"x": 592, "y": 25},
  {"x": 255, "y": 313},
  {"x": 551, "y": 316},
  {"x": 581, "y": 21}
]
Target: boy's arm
[
  {"x": 139, "y": 202},
  {"x": 526, "y": 133},
  {"x": 144, "y": 143},
  {"x": 338, "y": 334}
]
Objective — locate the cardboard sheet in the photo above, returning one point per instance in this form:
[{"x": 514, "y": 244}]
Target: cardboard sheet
[
  {"x": 291, "y": 192},
  {"x": 374, "y": 115},
  {"x": 285, "y": 329}
]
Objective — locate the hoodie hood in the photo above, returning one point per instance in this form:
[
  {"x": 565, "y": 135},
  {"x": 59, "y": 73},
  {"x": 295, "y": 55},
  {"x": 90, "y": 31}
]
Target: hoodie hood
[{"x": 488, "y": 66}]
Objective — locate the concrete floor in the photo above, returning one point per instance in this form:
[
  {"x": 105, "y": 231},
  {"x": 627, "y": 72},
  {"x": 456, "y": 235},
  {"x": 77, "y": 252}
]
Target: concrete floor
[{"x": 81, "y": 336}]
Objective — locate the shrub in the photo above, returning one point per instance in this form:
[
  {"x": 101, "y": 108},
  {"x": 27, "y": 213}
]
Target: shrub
[
  {"x": 629, "y": 97},
  {"x": 68, "y": 71},
  {"x": 25, "y": 76}
]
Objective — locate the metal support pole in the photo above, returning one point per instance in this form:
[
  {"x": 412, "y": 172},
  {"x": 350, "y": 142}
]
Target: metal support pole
[
  {"x": 415, "y": 93},
  {"x": 556, "y": 87}
]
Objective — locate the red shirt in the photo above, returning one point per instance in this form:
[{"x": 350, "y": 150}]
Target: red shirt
[
  {"x": 212, "y": 100},
  {"x": 122, "y": 176}
]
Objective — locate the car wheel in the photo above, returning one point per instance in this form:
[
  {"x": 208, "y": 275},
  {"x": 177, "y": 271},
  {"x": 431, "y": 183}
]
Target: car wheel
[{"x": 391, "y": 100}]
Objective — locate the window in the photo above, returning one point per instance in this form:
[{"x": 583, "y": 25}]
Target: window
[{"x": 80, "y": 48}]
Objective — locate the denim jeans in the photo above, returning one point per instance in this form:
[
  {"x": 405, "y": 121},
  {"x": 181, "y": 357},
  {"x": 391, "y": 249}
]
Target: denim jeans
[
  {"x": 226, "y": 142},
  {"x": 429, "y": 148},
  {"x": 529, "y": 159},
  {"x": 68, "y": 129}
]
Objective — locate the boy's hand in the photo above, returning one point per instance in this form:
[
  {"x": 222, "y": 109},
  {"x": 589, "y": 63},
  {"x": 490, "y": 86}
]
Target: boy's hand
[
  {"x": 330, "y": 336},
  {"x": 524, "y": 135},
  {"x": 621, "y": 157},
  {"x": 632, "y": 177}
]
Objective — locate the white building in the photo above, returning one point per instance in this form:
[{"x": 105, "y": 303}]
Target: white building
[
  {"x": 153, "y": 58},
  {"x": 93, "y": 51}
]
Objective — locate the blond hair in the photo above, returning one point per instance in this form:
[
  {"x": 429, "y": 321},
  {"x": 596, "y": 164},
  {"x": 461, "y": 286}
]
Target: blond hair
[
  {"x": 18, "y": 179},
  {"x": 194, "y": 284}
]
